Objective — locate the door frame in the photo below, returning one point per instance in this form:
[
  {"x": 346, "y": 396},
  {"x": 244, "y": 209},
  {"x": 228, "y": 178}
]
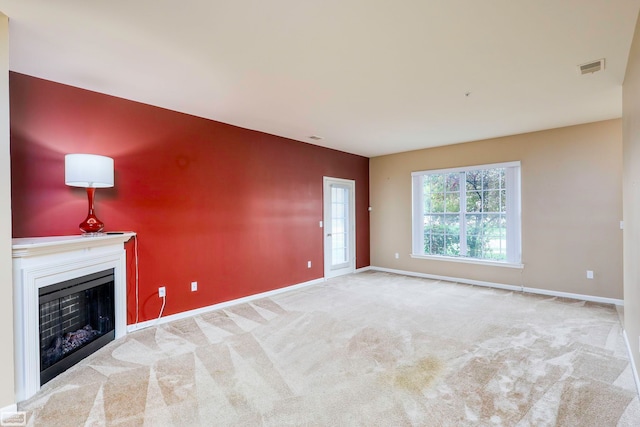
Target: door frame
[{"x": 326, "y": 216}]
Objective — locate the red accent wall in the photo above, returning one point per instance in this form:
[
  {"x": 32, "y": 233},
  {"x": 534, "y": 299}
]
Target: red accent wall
[{"x": 234, "y": 209}]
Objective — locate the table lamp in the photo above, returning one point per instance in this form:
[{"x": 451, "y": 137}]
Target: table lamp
[{"x": 89, "y": 171}]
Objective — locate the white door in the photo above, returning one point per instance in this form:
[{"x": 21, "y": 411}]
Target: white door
[{"x": 339, "y": 227}]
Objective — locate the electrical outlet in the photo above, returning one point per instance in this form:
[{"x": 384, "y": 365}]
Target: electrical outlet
[
  {"x": 308, "y": 264},
  {"x": 162, "y": 292},
  {"x": 589, "y": 274},
  {"x": 194, "y": 286},
  {"x": 397, "y": 255}
]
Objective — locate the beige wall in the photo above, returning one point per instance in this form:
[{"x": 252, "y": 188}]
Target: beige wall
[
  {"x": 6, "y": 304},
  {"x": 571, "y": 208},
  {"x": 631, "y": 191}
]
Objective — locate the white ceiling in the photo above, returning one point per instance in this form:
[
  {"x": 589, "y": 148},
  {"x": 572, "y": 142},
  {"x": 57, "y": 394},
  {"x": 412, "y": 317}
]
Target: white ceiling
[{"x": 371, "y": 77}]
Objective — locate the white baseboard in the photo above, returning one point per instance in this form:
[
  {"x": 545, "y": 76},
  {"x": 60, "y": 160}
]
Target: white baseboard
[
  {"x": 185, "y": 314},
  {"x": 448, "y": 279},
  {"x": 591, "y": 298},
  {"x": 632, "y": 362},
  {"x": 503, "y": 286},
  {"x": 362, "y": 269}
]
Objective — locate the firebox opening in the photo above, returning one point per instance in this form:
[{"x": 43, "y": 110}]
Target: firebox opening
[{"x": 77, "y": 317}]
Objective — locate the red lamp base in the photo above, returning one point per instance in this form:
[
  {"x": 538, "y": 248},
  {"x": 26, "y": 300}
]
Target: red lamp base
[{"x": 91, "y": 224}]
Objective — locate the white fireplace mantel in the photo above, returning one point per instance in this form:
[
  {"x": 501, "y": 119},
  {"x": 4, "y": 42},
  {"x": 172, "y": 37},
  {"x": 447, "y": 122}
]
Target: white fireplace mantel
[{"x": 42, "y": 261}]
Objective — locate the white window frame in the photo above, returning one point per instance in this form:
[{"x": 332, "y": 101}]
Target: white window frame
[{"x": 514, "y": 221}]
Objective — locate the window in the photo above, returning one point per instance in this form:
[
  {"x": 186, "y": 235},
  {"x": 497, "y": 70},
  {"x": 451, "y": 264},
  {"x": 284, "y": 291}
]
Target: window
[{"x": 468, "y": 213}]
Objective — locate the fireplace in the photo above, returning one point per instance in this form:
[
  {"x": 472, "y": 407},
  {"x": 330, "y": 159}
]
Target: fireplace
[
  {"x": 76, "y": 318},
  {"x": 70, "y": 294}
]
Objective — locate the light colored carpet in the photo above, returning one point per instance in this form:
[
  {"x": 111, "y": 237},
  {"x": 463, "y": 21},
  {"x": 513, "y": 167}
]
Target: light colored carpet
[{"x": 369, "y": 349}]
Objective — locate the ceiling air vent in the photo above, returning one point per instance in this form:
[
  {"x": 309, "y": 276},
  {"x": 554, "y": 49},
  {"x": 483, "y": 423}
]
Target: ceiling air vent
[{"x": 591, "y": 67}]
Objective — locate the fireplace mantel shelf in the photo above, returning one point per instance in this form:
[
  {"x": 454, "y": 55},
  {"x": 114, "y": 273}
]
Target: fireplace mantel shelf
[{"x": 35, "y": 246}]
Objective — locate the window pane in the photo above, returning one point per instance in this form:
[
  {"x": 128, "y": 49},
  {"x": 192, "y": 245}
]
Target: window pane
[
  {"x": 490, "y": 222},
  {"x": 452, "y": 235},
  {"x": 452, "y": 224},
  {"x": 492, "y": 179},
  {"x": 337, "y": 194},
  {"x": 474, "y": 180},
  {"x": 485, "y": 179},
  {"x": 453, "y": 202},
  {"x": 436, "y": 220},
  {"x": 494, "y": 247},
  {"x": 437, "y": 244},
  {"x": 474, "y": 201},
  {"x": 437, "y": 202},
  {"x": 437, "y": 224},
  {"x": 452, "y": 245},
  {"x": 494, "y": 237},
  {"x": 436, "y": 183},
  {"x": 474, "y": 246},
  {"x": 491, "y": 201},
  {"x": 474, "y": 223},
  {"x": 453, "y": 182},
  {"x": 427, "y": 203},
  {"x": 427, "y": 242},
  {"x": 339, "y": 256},
  {"x": 426, "y": 221}
]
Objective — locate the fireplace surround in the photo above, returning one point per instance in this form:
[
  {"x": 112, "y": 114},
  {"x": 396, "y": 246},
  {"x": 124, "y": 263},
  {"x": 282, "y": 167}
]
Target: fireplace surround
[{"x": 41, "y": 265}]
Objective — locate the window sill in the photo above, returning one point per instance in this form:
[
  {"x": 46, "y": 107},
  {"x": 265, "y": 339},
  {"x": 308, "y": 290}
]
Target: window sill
[{"x": 469, "y": 261}]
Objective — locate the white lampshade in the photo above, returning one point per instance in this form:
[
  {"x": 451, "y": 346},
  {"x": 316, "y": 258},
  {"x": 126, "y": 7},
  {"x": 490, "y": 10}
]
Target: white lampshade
[{"x": 88, "y": 170}]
